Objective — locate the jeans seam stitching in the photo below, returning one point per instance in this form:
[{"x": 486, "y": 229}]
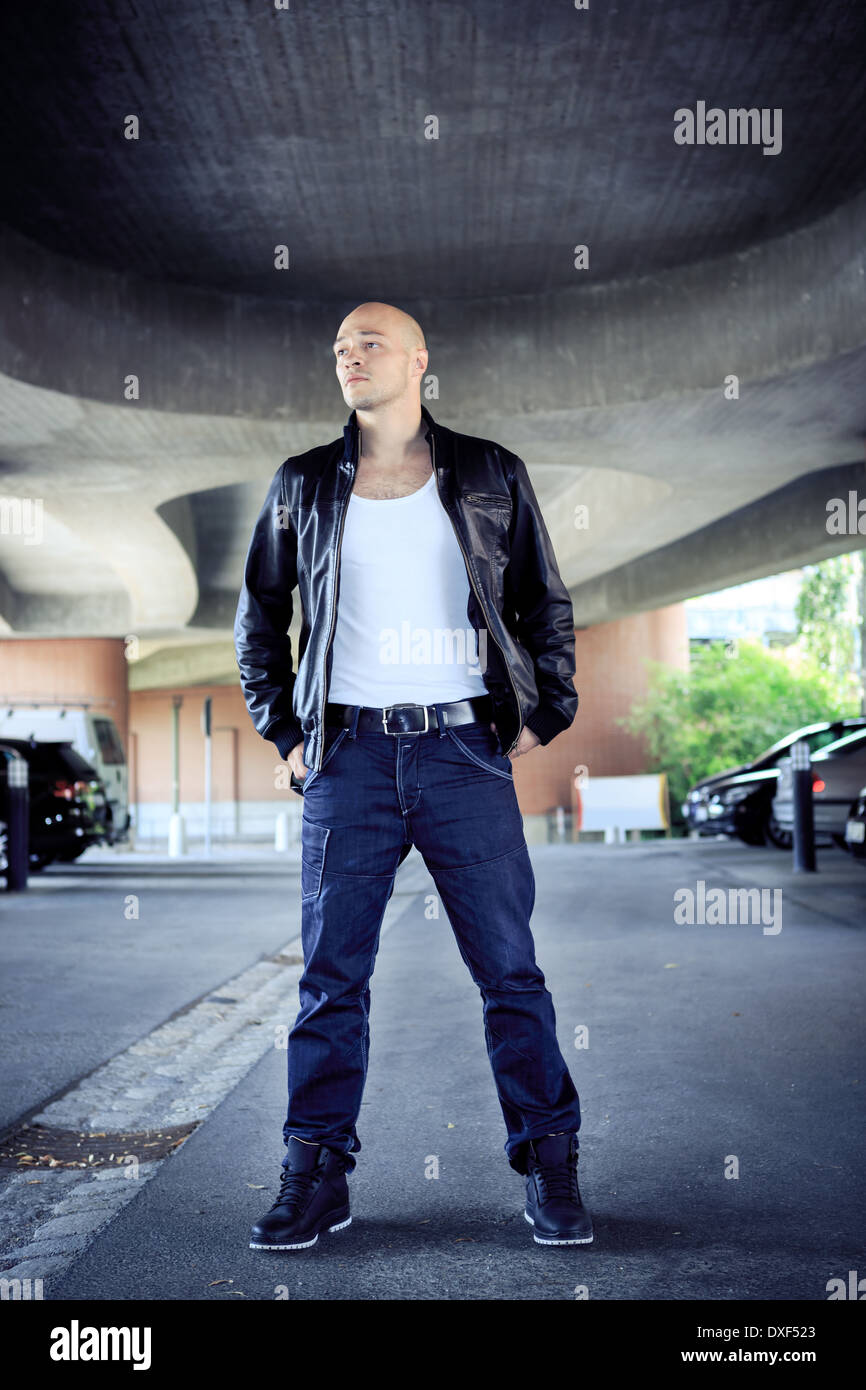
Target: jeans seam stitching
[
  {"x": 315, "y": 772},
  {"x": 321, "y": 870},
  {"x": 476, "y": 863},
  {"x": 507, "y": 776}
]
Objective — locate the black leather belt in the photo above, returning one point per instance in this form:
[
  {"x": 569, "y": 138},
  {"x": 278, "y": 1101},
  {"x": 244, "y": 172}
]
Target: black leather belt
[{"x": 408, "y": 718}]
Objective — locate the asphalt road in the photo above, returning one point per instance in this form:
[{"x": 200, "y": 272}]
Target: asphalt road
[
  {"x": 722, "y": 1135},
  {"x": 81, "y": 979}
]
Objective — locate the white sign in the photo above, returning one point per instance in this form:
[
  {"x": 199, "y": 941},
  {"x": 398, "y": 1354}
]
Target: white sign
[{"x": 623, "y": 803}]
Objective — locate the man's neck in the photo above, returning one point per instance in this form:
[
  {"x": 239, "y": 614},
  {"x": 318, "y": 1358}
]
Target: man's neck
[{"x": 392, "y": 436}]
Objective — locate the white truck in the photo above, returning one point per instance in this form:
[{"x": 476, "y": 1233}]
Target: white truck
[{"x": 92, "y": 734}]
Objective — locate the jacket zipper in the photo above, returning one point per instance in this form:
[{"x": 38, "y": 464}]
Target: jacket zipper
[
  {"x": 330, "y": 635},
  {"x": 478, "y": 596}
]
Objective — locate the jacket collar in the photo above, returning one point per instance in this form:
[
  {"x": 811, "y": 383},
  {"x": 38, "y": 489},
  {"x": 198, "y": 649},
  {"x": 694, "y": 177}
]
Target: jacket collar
[{"x": 351, "y": 433}]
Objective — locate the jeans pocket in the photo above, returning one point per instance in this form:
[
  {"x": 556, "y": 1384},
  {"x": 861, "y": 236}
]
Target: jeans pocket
[
  {"x": 331, "y": 745},
  {"x": 480, "y": 745},
  {"x": 314, "y": 842}
]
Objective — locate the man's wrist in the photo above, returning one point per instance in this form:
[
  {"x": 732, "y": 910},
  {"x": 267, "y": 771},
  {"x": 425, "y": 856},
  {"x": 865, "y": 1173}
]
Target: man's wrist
[
  {"x": 545, "y": 724},
  {"x": 286, "y": 736}
]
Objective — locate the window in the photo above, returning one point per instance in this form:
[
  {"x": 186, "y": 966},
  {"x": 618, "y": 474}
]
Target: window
[{"x": 110, "y": 747}]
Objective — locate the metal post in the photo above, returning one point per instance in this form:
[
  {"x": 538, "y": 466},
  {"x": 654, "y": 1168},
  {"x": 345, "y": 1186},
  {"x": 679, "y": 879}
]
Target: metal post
[
  {"x": 18, "y": 832},
  {"x": 176, "y": 703},
  {"x": 208, "y": 769},
  {"x": 804, "y": 819},
  {"x": 231, "y": 730},
  {"x": 176, "y": 825}
]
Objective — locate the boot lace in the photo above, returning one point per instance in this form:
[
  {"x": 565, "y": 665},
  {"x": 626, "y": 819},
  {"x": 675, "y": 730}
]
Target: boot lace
[
  {"x": 296, "y": 1189},
  {"x": 559, "y": 1180}
]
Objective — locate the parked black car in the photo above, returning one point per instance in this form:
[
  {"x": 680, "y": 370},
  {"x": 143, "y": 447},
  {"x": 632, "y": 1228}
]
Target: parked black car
[
  {"x": 68, "y": 806},
  {"x": 855, "y": 826},
  {"x": 837, "y": 776},
  {"x": 739, "y": 801}
]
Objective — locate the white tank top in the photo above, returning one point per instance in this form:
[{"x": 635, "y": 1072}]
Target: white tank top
[{"x": 402, "y": 631}]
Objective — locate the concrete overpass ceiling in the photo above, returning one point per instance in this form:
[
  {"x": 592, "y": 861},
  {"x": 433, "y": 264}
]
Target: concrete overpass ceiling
[
  {"x": 224, "y": 519},
  {"x": 36, "y": 555},
  {"x": 306, "y": 126},
  {"x": 152, "y": 260}
]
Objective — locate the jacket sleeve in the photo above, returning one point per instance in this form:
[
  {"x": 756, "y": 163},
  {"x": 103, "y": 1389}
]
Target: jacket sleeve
[
  {"x": 264, "y": 612},
  {"x": 544, "y": 613}
]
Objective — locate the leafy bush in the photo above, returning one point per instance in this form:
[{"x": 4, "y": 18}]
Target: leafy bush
[{"x": 733, "y": 702}]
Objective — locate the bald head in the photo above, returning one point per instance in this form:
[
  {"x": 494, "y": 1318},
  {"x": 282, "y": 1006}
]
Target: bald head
[{"x": 386, "y": 319}]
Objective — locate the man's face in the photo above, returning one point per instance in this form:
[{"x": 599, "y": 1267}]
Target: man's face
[{"x": 372, "y": 364}]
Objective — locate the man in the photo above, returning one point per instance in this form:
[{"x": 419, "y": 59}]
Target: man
[{"x": 437, "y": 645}]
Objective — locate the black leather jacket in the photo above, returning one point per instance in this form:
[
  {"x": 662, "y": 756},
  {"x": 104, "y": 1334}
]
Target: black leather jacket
[{"x": 515, "y": 589}]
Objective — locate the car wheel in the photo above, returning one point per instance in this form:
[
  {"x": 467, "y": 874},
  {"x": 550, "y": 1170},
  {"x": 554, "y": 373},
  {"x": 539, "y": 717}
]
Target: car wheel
[
  {"x": 775, "y": 835},
  {"x": 749, "y": 834},
  {"x": 841, "y": 842},
  {"x": 39, "y": 861},
  {"x": 70, "y": 855}
]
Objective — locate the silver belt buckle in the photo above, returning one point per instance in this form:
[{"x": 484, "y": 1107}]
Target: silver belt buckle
[{"x": 405, "y": 733}]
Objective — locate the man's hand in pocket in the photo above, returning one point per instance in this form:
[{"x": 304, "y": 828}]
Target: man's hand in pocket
[
  {"x": 296, "y": 761},
  {"x": 527, "y": 741}
]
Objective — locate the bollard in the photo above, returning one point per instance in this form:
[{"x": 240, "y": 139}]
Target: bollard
[
  {"x": 177, "y": 845},
  {"x": 18, "y": 830},
  {"x": 804, "y": 818},
  {"x": 281, "y": 832}
]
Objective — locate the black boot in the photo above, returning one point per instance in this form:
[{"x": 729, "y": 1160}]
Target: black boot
[
  {"x": 313, "y": 1197},
  {"x": 553, "y": 1202}
]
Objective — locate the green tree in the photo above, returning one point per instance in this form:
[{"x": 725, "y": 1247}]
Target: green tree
[
  {"x": 829, "y": 625},
  {"x": 733, "y": 702}
]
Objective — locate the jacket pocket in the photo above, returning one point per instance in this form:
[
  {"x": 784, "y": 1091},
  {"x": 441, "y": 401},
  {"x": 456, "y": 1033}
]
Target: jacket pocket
[
  {"x": 499, "y": 500},
  {"x": 314, "y": 843}
]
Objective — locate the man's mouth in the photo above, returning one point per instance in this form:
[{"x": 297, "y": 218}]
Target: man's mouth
[{"x": 350, "y": 379}]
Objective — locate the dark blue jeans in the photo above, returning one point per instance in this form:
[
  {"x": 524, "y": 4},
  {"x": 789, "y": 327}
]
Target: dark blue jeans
[{"x": 450, "y": 793}]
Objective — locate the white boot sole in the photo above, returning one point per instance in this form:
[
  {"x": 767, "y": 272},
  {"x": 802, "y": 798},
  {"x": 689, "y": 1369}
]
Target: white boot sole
[
  {"x": 556, "y": 1240},
  {"x": 301, "y": 1244}
]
